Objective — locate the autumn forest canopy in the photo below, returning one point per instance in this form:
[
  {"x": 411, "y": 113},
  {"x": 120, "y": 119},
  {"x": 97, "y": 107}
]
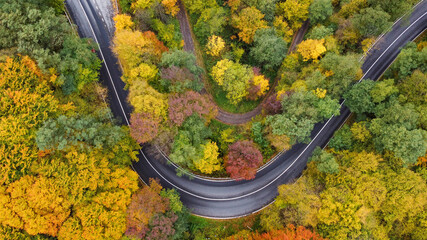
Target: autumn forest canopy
[{"x": 65, "y": 162}]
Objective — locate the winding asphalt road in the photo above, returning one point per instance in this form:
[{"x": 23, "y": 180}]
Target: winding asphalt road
[{"x": 227, "y": 198}]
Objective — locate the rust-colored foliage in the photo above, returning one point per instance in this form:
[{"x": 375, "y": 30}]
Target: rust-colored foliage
[
  {"x": 422, "y": 161},
  {"x": 143, "y": 127},
  {"x": 243, "y": 160},
  {"x": 145, "y": 204},
  {"x": 162, "y": 226},
  {"x": 272, "y": 105},
  {"x": 184, "y": 105},
  {"x": 158, "y": 45},
  {"x": 289, "y": 233}
]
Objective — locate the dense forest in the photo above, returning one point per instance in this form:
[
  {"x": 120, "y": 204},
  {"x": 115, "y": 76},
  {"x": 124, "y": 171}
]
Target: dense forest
[{"x": 66, "y": 163}]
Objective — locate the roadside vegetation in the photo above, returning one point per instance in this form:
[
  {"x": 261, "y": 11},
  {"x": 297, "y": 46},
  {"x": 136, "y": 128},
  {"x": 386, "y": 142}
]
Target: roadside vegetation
[
  {"x": 65, "y": 163},
  {"x": 244, "y": 48}
]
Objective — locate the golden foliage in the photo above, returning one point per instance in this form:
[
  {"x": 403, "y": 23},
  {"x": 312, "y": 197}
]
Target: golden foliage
[
  {"x": 367, "y": 43},
  {"x": 283, "y": 28},
  {"x": 320, "y": 93},
  {"x": 215, "y": 46},
  {"x": 144, "y": 98},
  {"x": 171, "y": 7},
  {"x": 248, "y": 21},
  {"x": 294, "y": 11},
  {"x": 360, "y": 132},
  {"x": 262, "y": 83},
  {"x": 143, "y": 72},
  {"x": 123, "y": 21},
  {"x": 134, "y": 47},
  {"x": 311, "y": 49},
  {"x": 141, "y": 4},
  {"x": 218, "y": 71},
  {"x": 36, "y": 204},
  {"x": 210, "y": 162}
]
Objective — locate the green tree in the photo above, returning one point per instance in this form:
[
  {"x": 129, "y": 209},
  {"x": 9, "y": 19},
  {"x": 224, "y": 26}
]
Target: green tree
[
  {"x": 414, "y": 88},
  {"x": 297, "y": 129},
  {"x": 34, "y": 30},
  {"x": 79, "y": 65},
  {"x": 406, "y": 144},
  {"x": 269, "y": 49},
  {"x": 197, "y": 6},
  {"x": 188, "y": 143},
  {"x": 359, "y": 99},
  {"x": 325, "y": 161},
  {"x": 167, "y": 34},
  {"x": 396, "y": 8},
  {"x": 268, "y": 8},
  {"x": 341, "y": 72},
  {"x": 342, "y": 140},
  {"x": 320, "y": 32},
  {"x": 300, "y": 111},
  {"x": 409, "y": 59},
  {"x": 382, "y": 90},
  {"x": 86, "y": 131},
  {"x": 371, "y": 22},
  {"x": 320, "y": 10},
  {"x": 248, "y": 21},
  {"x": 233, "y": 78},
  {"x": 182, "y": 59},
  {"x": 211, "y": 22}
]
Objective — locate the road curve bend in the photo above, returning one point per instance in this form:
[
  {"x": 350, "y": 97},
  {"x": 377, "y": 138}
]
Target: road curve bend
[{"x": 225, "y": 198}]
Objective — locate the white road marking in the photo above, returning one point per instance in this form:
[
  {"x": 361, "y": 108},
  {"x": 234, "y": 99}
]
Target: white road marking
[
  {"x": 248, "y": 194},
  {"x": 392, "y": 44}
]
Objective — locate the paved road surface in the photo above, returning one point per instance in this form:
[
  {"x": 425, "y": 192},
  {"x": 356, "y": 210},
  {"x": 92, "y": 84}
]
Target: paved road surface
[{"x": 226, "y": 199}]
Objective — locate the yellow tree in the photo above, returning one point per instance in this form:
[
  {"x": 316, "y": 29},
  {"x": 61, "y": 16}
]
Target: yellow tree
[
  {"x": 248, "y": 21},
  {"x": 134, "y": 47},
  {"x": 146, "y": 99},
  {"x": 123, "y": 21},
  {"x": 282, "y": 27},
  {"x": 311, "y": 49},
  {"x": 215, "y": 46},
  {"x": 36, "y": 204},
  {"x": 141, "y": 4},
  {"x": 294, "y": 11},
  {"x": 143, "y": 72},
  {"x": 210, "y": 162},
  {"x": 171, "y": 7},
  {"x": 262, "y": 83},
  {"x": 27, "y": 100},
  {"x": 233, "y": 78}
]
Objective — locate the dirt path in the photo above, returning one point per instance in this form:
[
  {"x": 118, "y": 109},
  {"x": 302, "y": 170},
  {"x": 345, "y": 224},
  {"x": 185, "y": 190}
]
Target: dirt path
[
  {"x": 297, "y": 39},
  {"x": 224, "y": 116}
]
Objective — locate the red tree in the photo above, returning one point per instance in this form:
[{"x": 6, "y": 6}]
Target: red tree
[
  {"x": 252, "y": 92},
  {"x": 176, "y": 74},
  {"x": 185, "y": 104},
  {"x": 290, "y": 233},
  {"x": 161, "y": 226},
  {"x": 243, "y": 160},
  {"x": 157, "y": 45},
  {"x": 272, "y": 105},
  {"x": 145, "y": 204},
  {"x": 143, "y": 127}
]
